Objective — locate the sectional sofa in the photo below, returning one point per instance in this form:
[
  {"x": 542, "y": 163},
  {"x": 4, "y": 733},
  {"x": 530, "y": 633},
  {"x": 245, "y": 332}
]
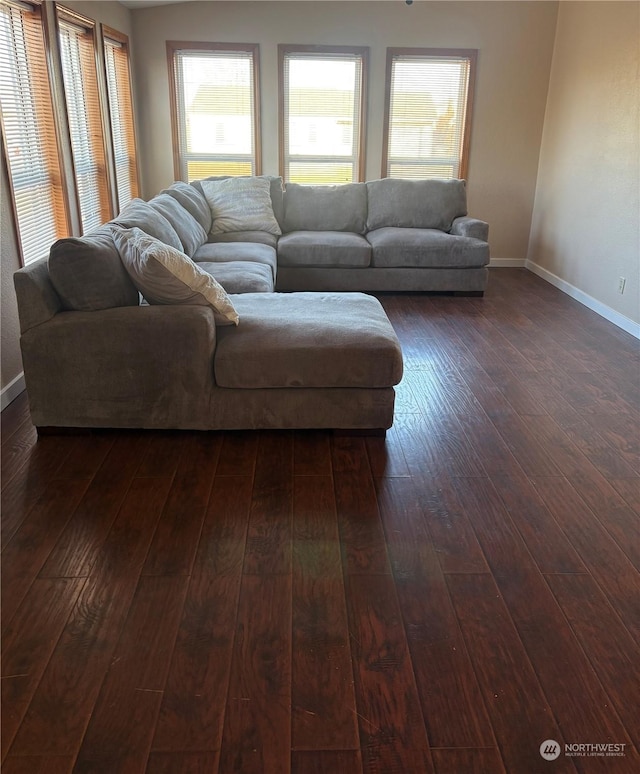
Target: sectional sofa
[{"x": 96, "y": 354}]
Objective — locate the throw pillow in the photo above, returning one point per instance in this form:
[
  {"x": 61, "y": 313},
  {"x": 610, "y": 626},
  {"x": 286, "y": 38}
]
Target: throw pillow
[
  {"x": 241, "y": 204},
  {"x": 276, "y": 185},
  {"x": 164, "y": 275}
]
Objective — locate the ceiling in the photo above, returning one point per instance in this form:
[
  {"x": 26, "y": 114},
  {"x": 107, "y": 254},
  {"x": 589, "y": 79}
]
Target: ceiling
[{"x": 148, "y": 3}]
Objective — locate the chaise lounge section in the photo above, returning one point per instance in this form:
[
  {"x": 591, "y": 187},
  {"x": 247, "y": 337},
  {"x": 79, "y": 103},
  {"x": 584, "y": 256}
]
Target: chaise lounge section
[{"x": 300, "y": 360}]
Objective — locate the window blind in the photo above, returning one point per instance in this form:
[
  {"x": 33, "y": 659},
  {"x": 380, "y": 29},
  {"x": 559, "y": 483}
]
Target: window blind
[
  {"x": 29, "y": 133},
  {"x": 116, "y": 55},
  {"x": 216, "y": 112},
  {"x": 321, "y": 120},
  {"x": 427, "y": 114},
  {"x": 77, "y": 54}
]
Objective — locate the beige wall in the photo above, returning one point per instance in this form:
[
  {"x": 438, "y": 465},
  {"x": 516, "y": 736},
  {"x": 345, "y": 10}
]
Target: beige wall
[
  {"x": 515, "y": 42},
  {"x": 585, "y": 221},
  {"x": 10, "y": 329},
  {"x": 114, "y": 15}
]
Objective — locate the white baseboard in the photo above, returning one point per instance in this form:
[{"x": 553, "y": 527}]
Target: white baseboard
[
  {"x": 11, "y": 391},
  {"x": 506, "y": 263},
  {"x": 603, "y": 310}
]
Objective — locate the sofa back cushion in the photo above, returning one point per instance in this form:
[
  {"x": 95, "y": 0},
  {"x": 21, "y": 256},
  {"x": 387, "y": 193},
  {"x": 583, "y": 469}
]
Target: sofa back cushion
[
  {"x": 415, "y": 203},
  {"x": 88, "y": 275},
  {"x": 325, "y": 207},
  {"x": 192, "y": 199},
  {"x": 140, "y": 214},
  {"x": 189, "y": 231}
]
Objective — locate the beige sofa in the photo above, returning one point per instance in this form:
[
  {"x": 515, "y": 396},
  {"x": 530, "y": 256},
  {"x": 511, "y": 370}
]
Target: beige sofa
[{"x": 95, "y": 356}]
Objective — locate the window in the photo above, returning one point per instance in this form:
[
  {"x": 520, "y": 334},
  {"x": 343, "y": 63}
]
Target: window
[
  {"x": 123, "y": 140},
  {"x": 322, "y": 99},
  {"x": 78, "y": 59},
  {"x": 29, "y": 133},
  {"x": 428, "y": 112},
  {"x": 215, "y": 109}
]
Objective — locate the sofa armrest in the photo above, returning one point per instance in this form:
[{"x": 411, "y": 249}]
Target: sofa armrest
[
  {"x": 144, "y": 366},
  {"x": 470, "y": 227},
  {"x": 37, "y": 298}
]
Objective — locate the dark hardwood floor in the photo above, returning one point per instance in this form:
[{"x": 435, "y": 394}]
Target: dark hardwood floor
[{"x": 270, "y": 602}]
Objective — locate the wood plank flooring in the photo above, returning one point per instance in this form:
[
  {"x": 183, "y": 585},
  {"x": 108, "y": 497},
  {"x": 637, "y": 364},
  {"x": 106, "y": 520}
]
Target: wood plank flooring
[{"x": 441, "y": 601}]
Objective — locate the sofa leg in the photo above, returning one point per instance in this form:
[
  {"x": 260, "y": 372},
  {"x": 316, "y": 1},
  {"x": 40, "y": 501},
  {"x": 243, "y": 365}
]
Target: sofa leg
[
  {"x": 468, "y": 293},
  {"x": 376, "y": 432}
]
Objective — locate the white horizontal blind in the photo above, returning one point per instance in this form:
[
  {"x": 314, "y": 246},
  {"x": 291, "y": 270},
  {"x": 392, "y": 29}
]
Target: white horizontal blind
[
  {"x": 322, "y": 106},
  {"x": 427, "y": 111},
  {"x": 29, "y": 133},
  {"x": 116, "y": 56},
  {"x": 216, "y": 112},
  {"x": 77, "y": 54}
]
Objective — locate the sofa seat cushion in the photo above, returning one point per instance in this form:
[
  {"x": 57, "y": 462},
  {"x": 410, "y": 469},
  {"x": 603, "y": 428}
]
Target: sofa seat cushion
[
  {"x": 308, "y": 340},
  {"x": 325, "y": 207},
  {"x": 323, "y": 248},
  {"x": 425, "y": 247},
  {"x": 223, "y": 252},
  {"x": 241, "y": 276}
]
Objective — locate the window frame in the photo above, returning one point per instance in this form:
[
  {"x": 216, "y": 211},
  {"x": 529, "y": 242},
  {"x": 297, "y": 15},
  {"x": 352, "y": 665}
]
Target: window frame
[
  {"x": 109, "y": 33},
  {"x": 73, "y": 18},
  {"x": 174, "y": 46},
  {"x": 53, "y": 159},
  {"x": 285, "y": 49},
  {"x": 454, "y": 53}
]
